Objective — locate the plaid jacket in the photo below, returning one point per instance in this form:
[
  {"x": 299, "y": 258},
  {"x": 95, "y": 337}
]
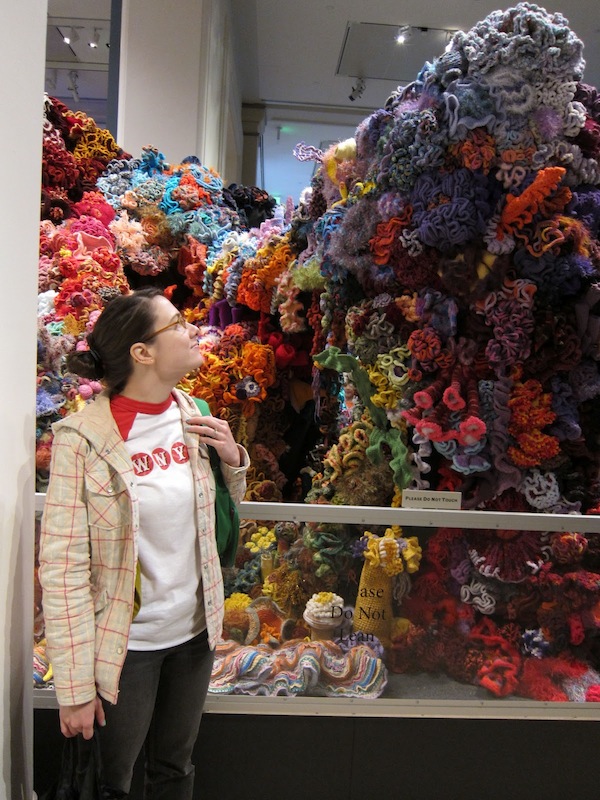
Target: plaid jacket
[{"x": 88, "y": 548}]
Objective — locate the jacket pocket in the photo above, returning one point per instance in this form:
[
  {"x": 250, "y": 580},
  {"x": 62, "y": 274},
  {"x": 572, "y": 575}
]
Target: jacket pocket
[{"x": 108, "y": 502}]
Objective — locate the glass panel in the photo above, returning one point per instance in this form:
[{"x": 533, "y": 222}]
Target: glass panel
[
  {"x": 399, "y": 607},
  {"x": 320, "y": 609}
]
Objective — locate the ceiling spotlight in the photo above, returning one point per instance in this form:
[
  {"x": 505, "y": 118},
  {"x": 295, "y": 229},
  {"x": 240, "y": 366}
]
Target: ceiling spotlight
[
  {"x": 72, "y": 36},
  {"x": 73, "y": 87},
  {"x": 357, "y": 90},
  {"x": 94, "y": 41},
  {"x": 403, "y": 34}
]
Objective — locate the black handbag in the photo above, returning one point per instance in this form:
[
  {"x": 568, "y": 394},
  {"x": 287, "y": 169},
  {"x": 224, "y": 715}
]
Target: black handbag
[{"x": 80, "y": 776}]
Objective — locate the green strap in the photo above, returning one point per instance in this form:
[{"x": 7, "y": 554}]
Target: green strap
[
  {"x": 137, "y": 592},
  {"x": 227, "y": 520},
  {"x": 215, "y": 461},
  {"x": 203, "y": 406}
]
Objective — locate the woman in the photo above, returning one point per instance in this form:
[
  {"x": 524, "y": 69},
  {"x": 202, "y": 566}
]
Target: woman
[{"x": 131, "y": 579}]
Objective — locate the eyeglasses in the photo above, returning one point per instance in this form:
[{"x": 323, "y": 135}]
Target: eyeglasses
[{"x": 179, "y": 322}]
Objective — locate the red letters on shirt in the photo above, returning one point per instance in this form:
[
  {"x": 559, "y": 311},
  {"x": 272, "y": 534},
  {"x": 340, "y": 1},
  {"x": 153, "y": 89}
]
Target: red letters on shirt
[{"x": 143, "y": 463}]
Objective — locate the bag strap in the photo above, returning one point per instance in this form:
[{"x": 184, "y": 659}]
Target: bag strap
[
  {"x": 227, "y": 521},
  {"x": 203, "y": 406},
  {"x": 215, "y": 461}
]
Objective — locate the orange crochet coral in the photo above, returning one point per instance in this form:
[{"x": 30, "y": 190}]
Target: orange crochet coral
[
  {"x": 543, "y": 196},
  {"x": 260, "y": 274},
  {"x": 192, "y": 263},
  {"x": 189, "y": 194},
  {"x": 477, "y": 151},
  {"x": 531, "y": 410},
  {"x": 254, "y": 372},
  {"x": 387, "y": 233}
]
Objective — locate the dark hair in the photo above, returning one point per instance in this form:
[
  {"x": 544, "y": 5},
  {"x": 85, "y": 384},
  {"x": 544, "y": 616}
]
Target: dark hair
[{"x": 127, "y": 319}]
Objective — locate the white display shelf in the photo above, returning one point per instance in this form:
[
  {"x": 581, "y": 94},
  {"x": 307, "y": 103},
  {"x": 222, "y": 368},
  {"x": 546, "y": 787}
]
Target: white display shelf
[
  {"x": 421, "y": 708},
  {"x": 461, "y": 701},
  {"x": 409, "y": 517}
]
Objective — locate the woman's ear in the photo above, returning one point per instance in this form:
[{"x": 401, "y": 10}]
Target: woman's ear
[{"x": 141, "y": 354}]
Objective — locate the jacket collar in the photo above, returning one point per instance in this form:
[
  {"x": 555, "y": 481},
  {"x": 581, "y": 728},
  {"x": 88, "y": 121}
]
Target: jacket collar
[{"x": 96, "y": 423}]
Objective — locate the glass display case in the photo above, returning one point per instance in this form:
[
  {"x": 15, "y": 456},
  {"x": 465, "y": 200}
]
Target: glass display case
[{"x": 368, "y": 611}]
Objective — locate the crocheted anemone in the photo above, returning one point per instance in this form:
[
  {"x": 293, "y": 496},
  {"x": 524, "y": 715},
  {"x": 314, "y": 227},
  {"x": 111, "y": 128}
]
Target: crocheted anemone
[{"x": 506, "y": 555}]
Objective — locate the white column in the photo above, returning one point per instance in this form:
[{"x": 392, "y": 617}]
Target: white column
[
  {"x": 178, "y": 88},
  {"x": 21, "y": 142}
]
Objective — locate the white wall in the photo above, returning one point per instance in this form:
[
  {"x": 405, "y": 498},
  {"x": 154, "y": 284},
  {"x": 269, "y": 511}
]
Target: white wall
[
  {"x": 178, "y": 87},
  {"x": 20, "y": 141},
  {"x": 284, "y": 175},
  {"x": 280, "y": 172}
]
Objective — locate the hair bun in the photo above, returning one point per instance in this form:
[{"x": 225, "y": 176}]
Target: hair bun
[{"x": 97, "y": 361}]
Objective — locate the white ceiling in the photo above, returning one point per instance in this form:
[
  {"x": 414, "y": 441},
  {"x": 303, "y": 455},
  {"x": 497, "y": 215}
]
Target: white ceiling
[
  {"x": 292, "y": 55},
  {"x": 301, "y": 59},
  {"x": 77, "y": 66},
  {"x": 290, "y": 50}
]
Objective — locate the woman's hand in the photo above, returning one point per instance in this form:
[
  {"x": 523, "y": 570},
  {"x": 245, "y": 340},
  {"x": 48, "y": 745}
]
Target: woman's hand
[
  {"x": 217, "y": 433},
  {"x": 80, "y": 718}
]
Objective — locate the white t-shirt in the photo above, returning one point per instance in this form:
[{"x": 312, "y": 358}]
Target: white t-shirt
[{"x": 172, "y": 610}]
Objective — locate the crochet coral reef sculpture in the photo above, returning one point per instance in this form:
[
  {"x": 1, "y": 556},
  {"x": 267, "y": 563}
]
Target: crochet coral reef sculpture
[
  {"x": 428, "y": 316},
  {"x": 463, "y": 263},
  {"x": 112, "y": 223},
  {"x": 459, "y": 244}
]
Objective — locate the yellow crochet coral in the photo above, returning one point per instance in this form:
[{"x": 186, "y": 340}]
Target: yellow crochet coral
[
  {"x": 238, "y": 601},
  {"x": 385, "y": 556},
  {"x": 264, "y": 539},
  {"x": 392, "y": 552}
]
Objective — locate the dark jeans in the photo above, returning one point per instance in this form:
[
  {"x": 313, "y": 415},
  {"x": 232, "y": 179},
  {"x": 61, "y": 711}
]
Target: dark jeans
[{"x": 161, "y": 696}]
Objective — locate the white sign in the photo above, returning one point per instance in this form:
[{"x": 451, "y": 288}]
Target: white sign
[{"x": 422, "y": 498}]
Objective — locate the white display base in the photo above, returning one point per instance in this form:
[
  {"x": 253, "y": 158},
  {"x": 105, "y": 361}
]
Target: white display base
[{"x": 429, "y": 698}]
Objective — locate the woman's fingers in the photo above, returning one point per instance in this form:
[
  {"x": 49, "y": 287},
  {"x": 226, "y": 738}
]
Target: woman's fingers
[{"x": 217, "y": 433}]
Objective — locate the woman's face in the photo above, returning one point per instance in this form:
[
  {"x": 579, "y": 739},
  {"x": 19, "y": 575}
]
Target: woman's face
[{"x": 175, "y": 342}]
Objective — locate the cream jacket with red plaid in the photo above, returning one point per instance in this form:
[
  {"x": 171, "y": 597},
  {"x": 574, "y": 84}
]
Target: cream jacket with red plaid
[{"x": 88, "y": 548}]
